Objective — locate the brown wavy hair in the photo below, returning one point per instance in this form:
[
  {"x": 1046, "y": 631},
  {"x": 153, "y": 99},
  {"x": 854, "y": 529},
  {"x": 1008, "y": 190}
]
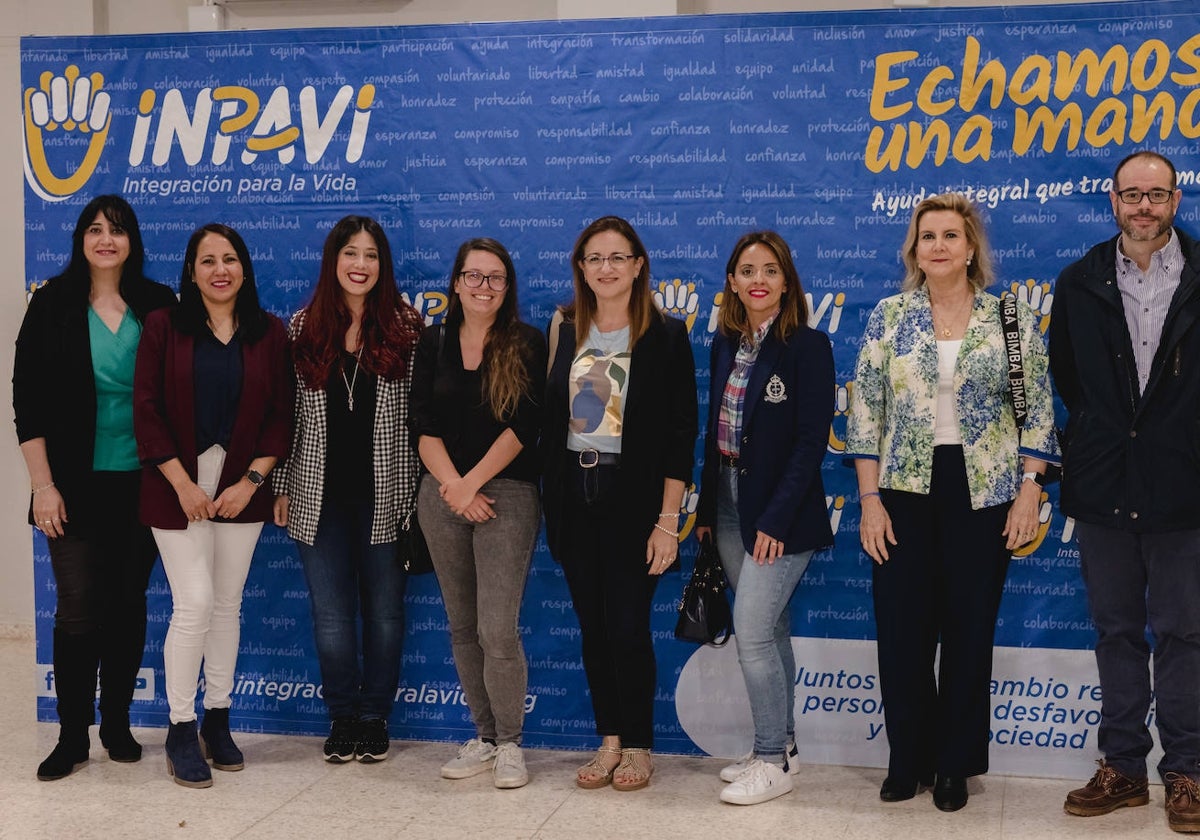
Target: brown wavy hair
[
  {"x": 390, "y": 327},
  {"x": 582, "y": 310},
  {"x": 505, "y": 367},
  {"x": 793, "y": 307}
]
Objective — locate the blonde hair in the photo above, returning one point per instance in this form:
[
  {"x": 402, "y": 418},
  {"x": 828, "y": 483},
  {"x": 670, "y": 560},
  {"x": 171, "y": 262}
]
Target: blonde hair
[{"x": 979, "y": 272}]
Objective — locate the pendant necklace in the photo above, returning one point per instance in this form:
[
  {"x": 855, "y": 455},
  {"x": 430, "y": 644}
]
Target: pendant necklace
[
  {"x": 948, "y": 328},
  {"x": 352, "y": 380}
]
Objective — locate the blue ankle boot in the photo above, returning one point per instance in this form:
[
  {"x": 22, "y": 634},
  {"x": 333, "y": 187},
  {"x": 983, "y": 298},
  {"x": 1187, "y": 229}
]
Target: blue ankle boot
[
  {"x": 184, "y": 759},
  {"x": 218, "y": 743}
]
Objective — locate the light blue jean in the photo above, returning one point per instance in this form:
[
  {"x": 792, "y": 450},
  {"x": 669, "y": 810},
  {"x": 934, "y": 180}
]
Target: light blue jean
[{"x": 762, "y": 622}]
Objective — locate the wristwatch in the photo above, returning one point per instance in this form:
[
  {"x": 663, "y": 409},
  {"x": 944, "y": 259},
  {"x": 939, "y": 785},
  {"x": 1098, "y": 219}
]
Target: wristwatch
[
  {"x": 255, "y": 477},
  {"x": 1035, "y": 477}
]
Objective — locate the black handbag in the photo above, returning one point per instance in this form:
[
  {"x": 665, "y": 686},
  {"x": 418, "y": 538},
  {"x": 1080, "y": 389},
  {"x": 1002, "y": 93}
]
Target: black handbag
[
  {"x": 1016, "y": 376},
  {"x": 411, "y": 548},
  {"x": 704, "y": 614}
]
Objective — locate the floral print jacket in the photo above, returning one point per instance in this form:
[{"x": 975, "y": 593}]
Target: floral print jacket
[{"x": 893, "y": 401}]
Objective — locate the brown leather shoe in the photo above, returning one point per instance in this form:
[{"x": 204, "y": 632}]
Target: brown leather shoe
[
  {"x": 1107, "y": 791},
  {"x": 1183, "y": 803}
]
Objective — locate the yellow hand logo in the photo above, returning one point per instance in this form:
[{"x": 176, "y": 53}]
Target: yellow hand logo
[
  {"x": 73, "y": 104},
  {"x": 687, "y": 509},
  {"x": 1038, "y": 297},
  {"x": 679, "y": 299}
]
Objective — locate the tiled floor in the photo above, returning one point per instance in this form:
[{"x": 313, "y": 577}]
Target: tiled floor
[{"x": 286, "y": 791}]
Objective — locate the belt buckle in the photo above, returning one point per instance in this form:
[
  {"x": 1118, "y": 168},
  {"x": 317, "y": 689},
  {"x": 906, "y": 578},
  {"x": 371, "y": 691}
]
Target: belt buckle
[{"x": 593, "y": 455}]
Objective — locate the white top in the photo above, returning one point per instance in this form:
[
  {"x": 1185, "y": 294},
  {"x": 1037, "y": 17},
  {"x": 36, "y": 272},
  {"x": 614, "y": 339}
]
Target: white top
[{"x": 945, "y": 429}]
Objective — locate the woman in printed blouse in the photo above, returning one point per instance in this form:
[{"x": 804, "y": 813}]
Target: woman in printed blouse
[
  {"x": 73, "y": 401},
  {"x": 770, "y": 406},
  {"x": 212, "y": 415},
  {"x": 351, "y": 479},
  {"x": 619, "y": 438},
  {"x": 476, "y": 405},
  {"x": 948, "y": 487}
]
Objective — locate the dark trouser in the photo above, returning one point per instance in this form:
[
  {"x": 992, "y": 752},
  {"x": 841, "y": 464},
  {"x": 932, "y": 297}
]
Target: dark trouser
[
  {"x": 101, "y": 573},
  {"x": 604, "y": 560},
  {"x": 1132, "y": 580},
  {"x": 344, "y": 571},
  {"x": 943, "y": 582}
]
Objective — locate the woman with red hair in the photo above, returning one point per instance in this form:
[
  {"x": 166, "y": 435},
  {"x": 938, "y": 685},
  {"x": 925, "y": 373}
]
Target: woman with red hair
[{"x": 351, "y": 478}]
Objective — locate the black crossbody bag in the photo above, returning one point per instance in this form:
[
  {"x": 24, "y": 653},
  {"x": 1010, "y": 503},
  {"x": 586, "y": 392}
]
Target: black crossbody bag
[{"x": 1016, "y": 374}]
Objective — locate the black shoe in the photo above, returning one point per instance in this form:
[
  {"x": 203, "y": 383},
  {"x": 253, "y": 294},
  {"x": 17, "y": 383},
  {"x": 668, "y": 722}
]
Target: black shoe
[
  {"x": 950, "y": 793},
  {"x": 68, "y": 755},
  {"x": 185, "y": 762},
  {"x": 372, "y": 741},
  {"x": 342, "y": 740},
  {"x": 218, "y": 743},
  {"x": 117, "y": 739},
  {"x": 899, "y": 788}
]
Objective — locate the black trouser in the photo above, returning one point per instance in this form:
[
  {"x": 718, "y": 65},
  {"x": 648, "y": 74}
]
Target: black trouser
[
  {"x": 943, "y": 583},
  {"x": 101, "y": 570},
  {"x": 605, "y": 566}
]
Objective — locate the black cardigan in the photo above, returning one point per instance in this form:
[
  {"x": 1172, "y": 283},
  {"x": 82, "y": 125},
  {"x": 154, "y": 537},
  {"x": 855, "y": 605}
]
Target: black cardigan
[
  {"x": 658, "y": 438},
  {"x": 54, "y": 389}
]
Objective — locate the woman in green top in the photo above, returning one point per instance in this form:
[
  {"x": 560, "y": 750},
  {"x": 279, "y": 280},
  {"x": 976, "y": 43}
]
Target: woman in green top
[{"x": 73, "y": 401}]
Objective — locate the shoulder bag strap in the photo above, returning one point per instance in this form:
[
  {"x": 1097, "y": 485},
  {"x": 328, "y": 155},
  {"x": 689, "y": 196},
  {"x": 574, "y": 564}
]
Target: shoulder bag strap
[{"x": 1012, "y": 348}]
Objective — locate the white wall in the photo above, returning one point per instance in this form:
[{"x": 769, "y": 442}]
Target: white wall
[{"x": 81, "y": 17}]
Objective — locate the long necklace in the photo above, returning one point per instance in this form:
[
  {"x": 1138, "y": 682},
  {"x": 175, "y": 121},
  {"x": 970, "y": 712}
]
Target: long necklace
[{"x": 352, "y": 380}]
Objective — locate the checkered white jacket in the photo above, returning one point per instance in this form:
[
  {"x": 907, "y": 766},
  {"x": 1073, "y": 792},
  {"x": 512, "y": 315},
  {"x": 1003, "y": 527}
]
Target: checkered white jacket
[{"x": 396, "y": 463}]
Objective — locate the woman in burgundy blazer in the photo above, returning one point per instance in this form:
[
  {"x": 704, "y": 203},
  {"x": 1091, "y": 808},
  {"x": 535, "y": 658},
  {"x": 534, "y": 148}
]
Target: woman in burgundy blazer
[{"x": 212, "y": 415}]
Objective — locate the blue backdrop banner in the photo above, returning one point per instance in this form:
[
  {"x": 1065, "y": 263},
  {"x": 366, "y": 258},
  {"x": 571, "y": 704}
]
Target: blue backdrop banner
[{"x": 827, "y": 127}]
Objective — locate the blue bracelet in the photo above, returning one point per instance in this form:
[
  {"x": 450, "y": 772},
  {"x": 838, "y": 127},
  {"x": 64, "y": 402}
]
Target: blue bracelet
[{"x": 862, "y": 496}]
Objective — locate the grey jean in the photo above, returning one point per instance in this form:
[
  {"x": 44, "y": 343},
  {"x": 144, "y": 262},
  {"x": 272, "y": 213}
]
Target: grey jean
[{"x": 481, "y": 568}]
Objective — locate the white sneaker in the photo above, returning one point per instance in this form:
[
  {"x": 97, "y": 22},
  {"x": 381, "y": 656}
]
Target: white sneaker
[
  {"x": 791, "y": 762},
  {"x": 760, "y": 782},
  {"x": 509, "y": 770},
  {"x": 474, "y": 757}
]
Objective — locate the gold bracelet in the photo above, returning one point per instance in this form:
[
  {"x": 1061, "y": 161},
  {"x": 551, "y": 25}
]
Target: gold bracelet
[
  {"x": 674, "y": 534},
  {"x": 668, "y": 515},
  {"x": 40, "y": 488}
]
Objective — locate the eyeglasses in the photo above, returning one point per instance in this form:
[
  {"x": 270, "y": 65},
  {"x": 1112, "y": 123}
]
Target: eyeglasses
[
  {"x": 594, "y": 261},
  {"x": 1134, "y": 196},
  {"x": 475, "y": 279}
]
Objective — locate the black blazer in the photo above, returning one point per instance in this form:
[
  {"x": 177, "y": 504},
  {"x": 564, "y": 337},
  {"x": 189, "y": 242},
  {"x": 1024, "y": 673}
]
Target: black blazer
[
  {"x": 785, "y": 431},
  {"x": 54, "y": 389},
  {"x": 658, "y": 437}
]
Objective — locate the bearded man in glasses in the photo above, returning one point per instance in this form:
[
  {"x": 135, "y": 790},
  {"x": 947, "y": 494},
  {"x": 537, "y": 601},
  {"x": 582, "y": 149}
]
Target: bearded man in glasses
[{"x": 1125, "y": 356}]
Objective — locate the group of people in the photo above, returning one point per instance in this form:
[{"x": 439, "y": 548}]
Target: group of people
[{"x": 134, "y": 410}]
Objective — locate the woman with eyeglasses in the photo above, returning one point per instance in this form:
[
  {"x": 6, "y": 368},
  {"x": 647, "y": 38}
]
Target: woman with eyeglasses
[
  {"x": 619, "y": 438},
  {"x": 351, "y": 479},
  {"x": 476, "y": 409}
]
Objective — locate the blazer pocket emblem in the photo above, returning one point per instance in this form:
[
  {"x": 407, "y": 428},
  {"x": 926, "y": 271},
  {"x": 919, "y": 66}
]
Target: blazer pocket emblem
[{"x": 776, "y": 393}]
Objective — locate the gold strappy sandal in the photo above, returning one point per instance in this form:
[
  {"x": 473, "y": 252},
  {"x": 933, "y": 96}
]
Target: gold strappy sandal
[
  {"x": 597, "y": 765},
  {"x": 636, "y": 766}
]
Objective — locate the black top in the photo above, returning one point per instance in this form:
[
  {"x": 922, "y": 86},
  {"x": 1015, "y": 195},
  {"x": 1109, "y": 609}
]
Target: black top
[
  {"x": 349, "y": 474},
  {"x": 54, "y": 389},
  {"x": 448, "y": 403},
  {"x": 217, "y": 372}
]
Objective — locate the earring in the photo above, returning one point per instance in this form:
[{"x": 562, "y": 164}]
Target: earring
[{"x": 969, "y": 260}]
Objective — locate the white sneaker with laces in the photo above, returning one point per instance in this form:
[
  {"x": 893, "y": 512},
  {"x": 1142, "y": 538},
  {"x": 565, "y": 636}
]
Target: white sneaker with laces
[
  {"x": 474, "y": 757},
  {"x": 759, "y": 782},
  {"x": 791, "y": 761},
  {"x": 509, "y": 770}
]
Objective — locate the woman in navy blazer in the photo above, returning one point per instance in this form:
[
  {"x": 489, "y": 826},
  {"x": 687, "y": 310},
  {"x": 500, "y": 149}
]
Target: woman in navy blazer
[
  {"x": 770, "y": 406},
  {"x": 212, "y": 412}
]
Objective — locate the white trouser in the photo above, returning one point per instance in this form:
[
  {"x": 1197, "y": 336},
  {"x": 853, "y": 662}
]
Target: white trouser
[{"x": 206, "y": 566}]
